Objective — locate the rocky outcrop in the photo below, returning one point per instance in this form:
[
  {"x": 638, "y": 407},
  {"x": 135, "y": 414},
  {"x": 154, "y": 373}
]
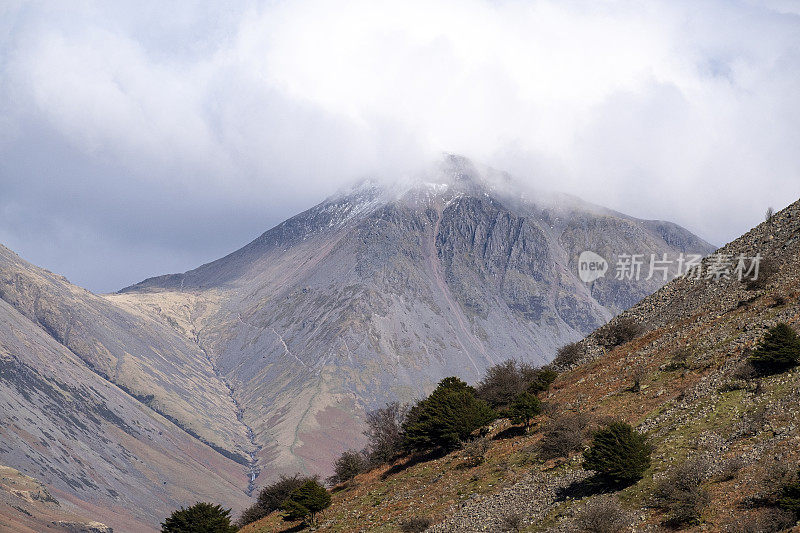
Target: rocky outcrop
[{"x": 82, "y": 527}]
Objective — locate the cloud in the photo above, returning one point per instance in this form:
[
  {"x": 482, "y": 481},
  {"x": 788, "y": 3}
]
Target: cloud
[{"x": 147, "y": 139}]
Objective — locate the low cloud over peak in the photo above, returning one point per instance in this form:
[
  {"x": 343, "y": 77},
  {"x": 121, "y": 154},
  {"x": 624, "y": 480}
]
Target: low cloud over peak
[{"x": 139, "y": 139}]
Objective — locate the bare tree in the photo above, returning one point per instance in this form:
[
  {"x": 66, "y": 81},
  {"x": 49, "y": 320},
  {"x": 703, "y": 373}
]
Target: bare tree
[
  {"x": 602, "y": 514},
  {"x": 384, "y": 432}
]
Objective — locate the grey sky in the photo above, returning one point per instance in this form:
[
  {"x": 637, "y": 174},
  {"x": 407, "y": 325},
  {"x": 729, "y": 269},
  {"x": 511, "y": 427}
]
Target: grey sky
[{"x": 138, "y": 139}]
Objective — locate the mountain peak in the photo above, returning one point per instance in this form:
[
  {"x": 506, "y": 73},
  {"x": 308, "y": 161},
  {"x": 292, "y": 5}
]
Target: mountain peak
[{"x": 448, "y": 175}]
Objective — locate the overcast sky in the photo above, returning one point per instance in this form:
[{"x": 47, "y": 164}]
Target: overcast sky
[{"x": 138, "y": 139}]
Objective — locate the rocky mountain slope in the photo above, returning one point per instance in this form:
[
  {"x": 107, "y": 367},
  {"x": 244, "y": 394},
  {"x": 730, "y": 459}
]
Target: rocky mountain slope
[
  {"x": 379, "y": 292},
  {"x": 28, "y": 507},
  {"x": 191, "y": 386},
  {"x": 683, "y": 381},
  {"x": 92, "y": 442}
]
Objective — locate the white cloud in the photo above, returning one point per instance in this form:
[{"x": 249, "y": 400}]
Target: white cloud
[{"x": 236, "y": 117}]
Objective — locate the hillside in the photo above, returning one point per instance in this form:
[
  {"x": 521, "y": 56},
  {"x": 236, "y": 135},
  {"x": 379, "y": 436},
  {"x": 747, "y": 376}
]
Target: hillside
[
  {"x": 694, "y": 400},
  {"x": 92, "y": 442},
  {"x": 382, "y": 290},
  {"x": 28, "y": 507}
]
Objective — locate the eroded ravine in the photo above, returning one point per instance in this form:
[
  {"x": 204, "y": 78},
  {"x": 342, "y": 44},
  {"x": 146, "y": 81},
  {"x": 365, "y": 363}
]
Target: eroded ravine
[{"x": 253, "y": 470}]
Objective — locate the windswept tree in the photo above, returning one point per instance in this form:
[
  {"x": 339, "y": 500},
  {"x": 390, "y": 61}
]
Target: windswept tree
[
  {"x": 524, "y": 408},
  {"x": 304, "y": 503},
  {"x": 445, "y": 418},
  {"x": 503, "y": 382},
  {"x": 199, "y": 518}
]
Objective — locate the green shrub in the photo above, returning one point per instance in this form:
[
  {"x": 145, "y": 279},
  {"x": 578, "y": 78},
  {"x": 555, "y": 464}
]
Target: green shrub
[
  {"x": 347, "y": 466},
  {"x": 778, "y": 351},
  {"x": 618, "y": 454},
  {"x": 199, "y": 518},
  {"x": 445, "y": 418},
  {"x": 524, "y": 408},
  {"x": 304, "y": 503},
  {"x": 789, "y": 499},
  {"x": 271, "y": 497}
]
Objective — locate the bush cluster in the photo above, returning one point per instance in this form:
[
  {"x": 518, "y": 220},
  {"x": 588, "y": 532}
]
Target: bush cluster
[
  {"x": 504, "y": 382},
  {"x": 563, "y": 435},
  {"x": 271, "y": 497},
  {"x": 448, "y": 417},
  {"x": 681, "y": 493}
]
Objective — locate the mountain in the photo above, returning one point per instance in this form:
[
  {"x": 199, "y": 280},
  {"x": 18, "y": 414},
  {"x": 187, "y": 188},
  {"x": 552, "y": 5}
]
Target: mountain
[
  {"x": 380, "y": 291},
  {"x": 204, "y": 384},
  {"x": 724, "y": 438}
]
